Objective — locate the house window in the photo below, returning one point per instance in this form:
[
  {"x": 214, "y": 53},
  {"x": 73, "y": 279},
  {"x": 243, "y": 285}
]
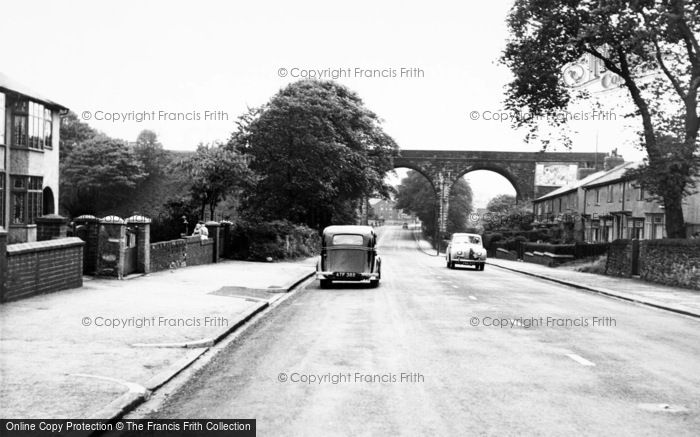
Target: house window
[
  {"x": 597, "y": 196},
  {"x": 2, "y": 118},
  {"x": 595, "y": 230},
  {"x": 657, "y": 226},
  {"x": 610, "y": 193},
  {"x": 26, "y": 199},
  {"x": 19, "y": 123},
  {"x": 628, "y": 194},
  {"x": 635, "y": 228},
  {"x": 640, "y": 192},
  {"x": 2, "y": 200},
  {"x": 48, "y": 129},
  {"x": 32, "y": 125}
]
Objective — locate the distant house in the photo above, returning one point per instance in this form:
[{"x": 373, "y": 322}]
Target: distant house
[
  {"x": 28, "y": 158},
  {"x": 608, "y": 205},
  {"x": 385, "y": 211}
]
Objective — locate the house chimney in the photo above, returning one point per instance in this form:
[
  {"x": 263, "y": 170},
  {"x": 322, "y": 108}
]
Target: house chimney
[{"x": 613, "y": 160}]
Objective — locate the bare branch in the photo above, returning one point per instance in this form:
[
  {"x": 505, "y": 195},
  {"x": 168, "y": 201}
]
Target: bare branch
[
  {"x": 609, "y": 64},
  {"x": 667, "y": 72}
]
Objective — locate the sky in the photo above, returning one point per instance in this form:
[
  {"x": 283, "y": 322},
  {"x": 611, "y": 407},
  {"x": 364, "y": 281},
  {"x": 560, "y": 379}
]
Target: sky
[{"x": 187, "y": 70}]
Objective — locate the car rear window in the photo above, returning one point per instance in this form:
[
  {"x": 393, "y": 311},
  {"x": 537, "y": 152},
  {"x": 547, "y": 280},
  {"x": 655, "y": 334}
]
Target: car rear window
[{"x": 348, "y": 239}]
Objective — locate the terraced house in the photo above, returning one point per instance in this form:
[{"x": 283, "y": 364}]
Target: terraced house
[
  {"x": 608, "y": 205},
  {"x": 29, "y": 143}
]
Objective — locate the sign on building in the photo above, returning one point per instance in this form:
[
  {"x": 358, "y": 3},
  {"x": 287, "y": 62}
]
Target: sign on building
[{"x": 555, "y": 174}]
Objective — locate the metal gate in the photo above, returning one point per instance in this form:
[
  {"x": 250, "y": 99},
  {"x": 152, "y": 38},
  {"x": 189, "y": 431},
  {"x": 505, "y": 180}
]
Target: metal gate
[{"x": 131, "y": 252}]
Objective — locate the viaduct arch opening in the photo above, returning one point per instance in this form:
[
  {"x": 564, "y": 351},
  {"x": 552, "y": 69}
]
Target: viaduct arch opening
[{"x": 522, "y": 169}]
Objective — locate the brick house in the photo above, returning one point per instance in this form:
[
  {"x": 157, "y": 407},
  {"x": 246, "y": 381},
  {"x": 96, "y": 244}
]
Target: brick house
[
  {"x": 385, "y": 211},
  {"x": 29, "y": 143},
  {"x": 608, "y": 205},
  {"x": 561, "y": 207}
]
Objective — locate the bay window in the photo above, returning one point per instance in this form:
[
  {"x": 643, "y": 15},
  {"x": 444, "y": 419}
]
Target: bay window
[{"x": 26, "y": 201}]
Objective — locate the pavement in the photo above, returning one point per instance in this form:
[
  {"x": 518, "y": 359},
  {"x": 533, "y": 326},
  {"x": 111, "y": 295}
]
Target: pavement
[
  {"x": 679, "y": 300},
  {"x": 450, "y": 352},
  {"x": 93, "y": 351}
]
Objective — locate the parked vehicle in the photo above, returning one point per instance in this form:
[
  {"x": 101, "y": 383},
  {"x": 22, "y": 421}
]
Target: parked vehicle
[
  {"x": 405, "y": 226},
  {"x": 466, "y": 249},
  {"x": 348, "y": 253}
]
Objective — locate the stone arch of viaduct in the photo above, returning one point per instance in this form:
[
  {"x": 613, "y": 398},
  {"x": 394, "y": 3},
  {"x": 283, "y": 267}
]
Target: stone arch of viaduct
[{"x": 443, "y": 168}]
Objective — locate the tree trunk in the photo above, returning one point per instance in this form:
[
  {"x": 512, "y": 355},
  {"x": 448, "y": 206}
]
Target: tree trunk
[{"x": 675, "y": 223}]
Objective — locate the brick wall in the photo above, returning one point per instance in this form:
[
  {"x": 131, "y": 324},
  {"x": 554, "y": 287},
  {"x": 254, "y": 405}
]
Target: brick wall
[
  {"x": 167, "y": 255},
  {"x": 199, "y": 251},
  {"x": 502, "y": 253},
  {"x": 671, "y": 261},
  {"x": 43, "y": 267}
]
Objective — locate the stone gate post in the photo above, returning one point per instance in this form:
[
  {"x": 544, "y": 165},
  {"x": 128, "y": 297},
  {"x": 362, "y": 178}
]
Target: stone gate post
[
  {"x": 214, "y": 234},
  {"x": 51, "y": 226},
  {"x": 143, "y": 242},
  {"x": 86, "y": 227}
]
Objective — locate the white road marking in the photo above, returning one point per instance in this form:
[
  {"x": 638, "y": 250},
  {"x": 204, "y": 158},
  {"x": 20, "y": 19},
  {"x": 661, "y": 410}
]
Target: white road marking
[
  {"x": 133, "y": 387},
  {"x": 580, "y": 360},
  {"x": 454, "y": 286},
  {"x": 472, "y": 298}
]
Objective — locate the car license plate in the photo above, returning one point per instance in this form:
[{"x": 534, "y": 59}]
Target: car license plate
[{"x": 347, "y": 275}]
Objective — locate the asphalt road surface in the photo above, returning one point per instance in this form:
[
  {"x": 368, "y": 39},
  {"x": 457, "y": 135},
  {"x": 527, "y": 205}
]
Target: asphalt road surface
[{"x": 421, "y": 355}]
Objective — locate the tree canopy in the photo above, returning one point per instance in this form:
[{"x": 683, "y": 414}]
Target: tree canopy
[
  {"x": 99, "y": 174},
  {"x": 317, "y": 151},
  {"x": 507, "y": 213},
  {"x": 73, "y": 132},
  {"x": 215, "y": 172},
  {"x": 651, "y": 45},
  {"x": 150, "y": 152}
]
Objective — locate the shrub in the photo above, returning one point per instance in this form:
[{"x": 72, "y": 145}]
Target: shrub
[
  {"x": 277, "y": 240},
  {"x": 585, "y": 250},
  {"x": 595, "y": 266},
  {"x": 557, "y": 249}
]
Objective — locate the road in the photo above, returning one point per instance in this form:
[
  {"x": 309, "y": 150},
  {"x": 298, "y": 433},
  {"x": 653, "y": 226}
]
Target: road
[{"x": 637, "y": 372}]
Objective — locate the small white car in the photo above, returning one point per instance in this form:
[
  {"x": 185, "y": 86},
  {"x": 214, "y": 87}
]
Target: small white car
[{"x": 466, "y": 249}]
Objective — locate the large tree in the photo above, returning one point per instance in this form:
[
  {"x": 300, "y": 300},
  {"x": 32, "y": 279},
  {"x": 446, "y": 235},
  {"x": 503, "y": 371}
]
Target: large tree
[
  {"x": 317, "y": 151},
  {"x": 98, "y": 175},
  {"x": 215, "y": 172},
  {"x": 651, "y": 45},
  {"x": 73, "y": 132},
  {"x": 505, "y": 212},
  {"x": 150, "y": 152},
  {"x": 415, "y": 194}
]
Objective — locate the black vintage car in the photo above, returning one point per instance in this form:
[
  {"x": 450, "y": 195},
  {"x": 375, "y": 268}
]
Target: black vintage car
[{"x": 349, "y": 253}]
